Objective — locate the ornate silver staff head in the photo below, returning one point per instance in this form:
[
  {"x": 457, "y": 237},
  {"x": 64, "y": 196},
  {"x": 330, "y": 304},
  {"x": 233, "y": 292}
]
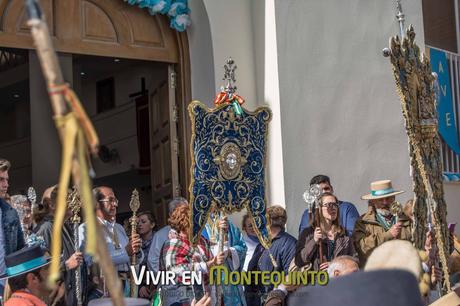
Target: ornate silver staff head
[
  {"x": 311, "y": 196},
  {"x": 229, "y": 77},
  {"x": 400, "y": 17},
  {"x": 396, "y": 209},
  {"x": 32, "y": 196}
]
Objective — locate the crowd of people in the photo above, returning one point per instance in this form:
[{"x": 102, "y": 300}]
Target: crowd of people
[{"x": 334, "y": 238}]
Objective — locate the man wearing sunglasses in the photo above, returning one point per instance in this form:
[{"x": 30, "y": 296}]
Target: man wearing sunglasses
[{"x": 120, "y": 247}]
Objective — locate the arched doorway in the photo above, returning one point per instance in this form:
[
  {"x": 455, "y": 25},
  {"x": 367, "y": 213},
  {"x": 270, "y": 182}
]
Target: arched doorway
[{"x": 112, "y": 28}]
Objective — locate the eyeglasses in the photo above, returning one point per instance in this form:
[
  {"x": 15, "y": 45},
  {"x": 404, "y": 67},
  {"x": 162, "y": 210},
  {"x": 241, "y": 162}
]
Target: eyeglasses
[
  {"x": 110, "y": 201},
  {"x": 330, "y": 205}
]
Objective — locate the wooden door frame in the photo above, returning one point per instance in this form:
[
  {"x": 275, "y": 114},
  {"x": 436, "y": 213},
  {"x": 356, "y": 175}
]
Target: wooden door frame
[
  {"x": 173, "y": 49},
  {"x": 183, "y": 98}
]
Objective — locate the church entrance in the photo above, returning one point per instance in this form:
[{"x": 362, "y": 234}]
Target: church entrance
[{"x": 134, "y": 84}]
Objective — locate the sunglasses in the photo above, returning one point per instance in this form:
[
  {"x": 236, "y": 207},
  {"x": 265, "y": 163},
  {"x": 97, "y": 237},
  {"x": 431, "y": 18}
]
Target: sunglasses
[
  {"x": 330, "y": 205},
  {"x": 110, "y": 201}
]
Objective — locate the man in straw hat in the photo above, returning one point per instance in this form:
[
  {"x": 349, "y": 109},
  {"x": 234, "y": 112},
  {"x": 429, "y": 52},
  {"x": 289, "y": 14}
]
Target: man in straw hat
[
  {"x": 379, "y": 224},
  {"x": 27, "y": 271}
]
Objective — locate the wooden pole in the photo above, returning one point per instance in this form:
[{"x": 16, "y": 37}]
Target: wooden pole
[{"x": 53, "y": 75}]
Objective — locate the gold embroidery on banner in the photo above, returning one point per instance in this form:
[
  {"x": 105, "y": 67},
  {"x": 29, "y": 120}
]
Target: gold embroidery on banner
[{"x": 234, "y": 160}]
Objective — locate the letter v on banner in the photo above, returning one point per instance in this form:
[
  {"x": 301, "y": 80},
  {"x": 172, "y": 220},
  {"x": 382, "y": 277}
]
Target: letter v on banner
[{"x": 446, "y": 116}]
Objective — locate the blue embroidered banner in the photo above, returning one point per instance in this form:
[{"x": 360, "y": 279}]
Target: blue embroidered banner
[
  {"x": 228, "y": 165},
  {"x": 446, "y": 117}
]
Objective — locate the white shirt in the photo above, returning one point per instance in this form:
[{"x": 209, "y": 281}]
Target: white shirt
[
  {"x": 118, "y": 254},
  {"x": 251, "y": 245}
]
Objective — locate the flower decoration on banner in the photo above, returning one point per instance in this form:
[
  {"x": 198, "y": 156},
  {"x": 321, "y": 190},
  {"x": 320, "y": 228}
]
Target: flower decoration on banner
[{"x": 177, "y": 11}]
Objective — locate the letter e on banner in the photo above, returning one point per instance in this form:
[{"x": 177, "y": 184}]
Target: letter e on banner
[{"x": 448, "y": 123}]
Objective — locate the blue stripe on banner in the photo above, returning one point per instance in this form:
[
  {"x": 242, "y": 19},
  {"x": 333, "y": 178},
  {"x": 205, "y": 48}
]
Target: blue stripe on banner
[{"x": 446, "y": 117}]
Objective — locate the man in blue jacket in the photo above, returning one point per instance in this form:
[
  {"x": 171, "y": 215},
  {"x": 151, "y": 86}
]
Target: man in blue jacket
[
  {"x": 348, "y": 212},
  {"x": 11, "y": 236}
]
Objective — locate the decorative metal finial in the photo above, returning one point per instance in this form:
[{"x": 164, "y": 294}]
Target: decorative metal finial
[
  {"x": 400, "y": 18},
  {"x": 311, "y": 196},
  {"x": 32, "y": 196},
  {"x": 134, "y": 203},
  {"x": 229, "y": 77},
  {"x": 74, "y": 202},
  {"x": 396, "y": 209}
]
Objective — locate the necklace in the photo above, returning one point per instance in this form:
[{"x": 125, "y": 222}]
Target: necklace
[{"x": 113, "y": 235}]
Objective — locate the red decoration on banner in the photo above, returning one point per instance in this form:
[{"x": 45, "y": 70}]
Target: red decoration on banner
[{"x": 223, "y": 97}]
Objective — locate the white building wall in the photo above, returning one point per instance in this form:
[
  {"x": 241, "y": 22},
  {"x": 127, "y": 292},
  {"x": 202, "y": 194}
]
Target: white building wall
[
  {"x": 452, "y": 198},
  {"x": 213, "y": 37},
  {"x": 232, "y": 36},
  {"x": 340, "y": 114}
]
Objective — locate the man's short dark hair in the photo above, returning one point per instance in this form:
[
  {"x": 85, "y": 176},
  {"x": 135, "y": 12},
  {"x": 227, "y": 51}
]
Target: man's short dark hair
[
  {"x": 320, "y": 178},
  {"x": 20, "y": 282},
  {"x": 98, "y": 195}
]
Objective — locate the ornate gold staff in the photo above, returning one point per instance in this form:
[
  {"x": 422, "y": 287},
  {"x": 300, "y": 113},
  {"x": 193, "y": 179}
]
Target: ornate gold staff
[
  {"x": 414, "y": 81},
  {"x": 134, "y": 205},
  {"x": 396, "y": 210},
  {"x": 75, "y": 207},
  {"x": 220, "y": 249}
]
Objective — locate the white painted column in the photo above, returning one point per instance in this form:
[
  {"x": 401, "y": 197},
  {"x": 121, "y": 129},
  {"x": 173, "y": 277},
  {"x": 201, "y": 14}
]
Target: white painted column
[
  {"x": 46, "y": 148},
  {"x": 272, "y": 98}
]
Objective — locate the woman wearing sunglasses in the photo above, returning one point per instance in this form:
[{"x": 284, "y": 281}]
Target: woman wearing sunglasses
[{"x": 325, "y": 233}]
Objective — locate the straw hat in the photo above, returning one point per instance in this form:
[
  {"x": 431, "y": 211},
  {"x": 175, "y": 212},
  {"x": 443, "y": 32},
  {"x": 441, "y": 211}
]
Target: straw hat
[{"x": 381, "y": 189}]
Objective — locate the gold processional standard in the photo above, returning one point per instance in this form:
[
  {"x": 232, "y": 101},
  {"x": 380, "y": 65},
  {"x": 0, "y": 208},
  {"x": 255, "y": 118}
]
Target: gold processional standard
[{"x": 415, "y": 87}]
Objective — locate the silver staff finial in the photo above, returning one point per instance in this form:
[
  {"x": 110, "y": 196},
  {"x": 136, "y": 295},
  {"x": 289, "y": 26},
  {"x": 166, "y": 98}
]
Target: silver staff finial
[
  {"x": 311, "y": 196},
  {"x": 32, "y": 196},
  {"x": 400, "y": 18},
  {"x": 229, "y": 77}
]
